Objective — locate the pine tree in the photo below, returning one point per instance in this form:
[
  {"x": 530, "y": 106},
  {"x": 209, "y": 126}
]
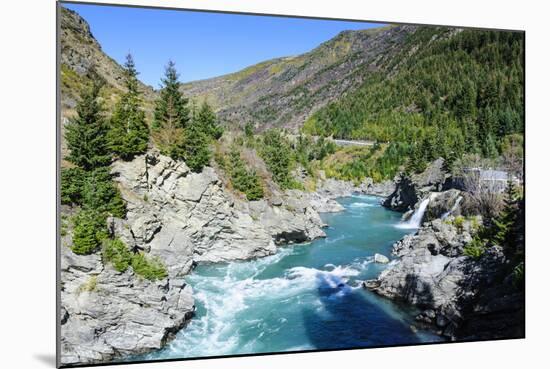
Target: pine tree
[
  {"x": 86, "y": 133},
  {"x": 246, "y": 181},
  {"x": 171, "y": 109},
  {"x": 129, "y": 133},
  {"x": 504, "y": 230},
  {"x": 276, "y": 153},
  {"x": 192, "y": 146},
  {"x": 207, "y": 120},
  {"x": 88, "y": 232}
]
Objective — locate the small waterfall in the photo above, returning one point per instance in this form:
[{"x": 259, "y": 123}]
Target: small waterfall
[
  {"x": 453, "y": 208},
  {"x": 416, "y": 219}
]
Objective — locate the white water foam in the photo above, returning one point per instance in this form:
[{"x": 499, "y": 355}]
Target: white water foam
[
  {"x": 453, "y": 208},
  {"x": 416, "y": 219},
  {"x": 361, "y": 205},
  {"x": 226, "y": 299}
]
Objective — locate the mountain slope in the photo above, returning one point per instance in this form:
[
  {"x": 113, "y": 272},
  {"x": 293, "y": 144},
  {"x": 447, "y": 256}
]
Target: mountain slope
[
  {"x": 80, "y": 54},
  {"x": 283, "y": 92}
]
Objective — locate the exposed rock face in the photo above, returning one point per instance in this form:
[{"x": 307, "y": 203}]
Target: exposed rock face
[
  {"x": 383, "y": 189},
  {"x": 444, "y": 204},
  {"x": 183, "y": 218},
  {"x": 106, "y": 314},
  {"x": 453, "y": 290},
  {"x": 382, "y": 259},
  {"x": 173, "y": 212},
  {"x": 410, "y": 190}
]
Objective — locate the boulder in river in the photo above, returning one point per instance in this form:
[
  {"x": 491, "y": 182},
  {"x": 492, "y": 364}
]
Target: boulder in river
[{"x": 381, "y": 259}]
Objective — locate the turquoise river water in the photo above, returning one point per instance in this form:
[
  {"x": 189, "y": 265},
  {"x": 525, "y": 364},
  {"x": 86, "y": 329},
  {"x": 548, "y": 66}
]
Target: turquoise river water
[{"x": 305, "y": 297}]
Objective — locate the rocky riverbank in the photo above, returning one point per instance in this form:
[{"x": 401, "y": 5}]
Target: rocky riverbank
[
  {"x": 461, "y": 297},
  {"x": 183, "y": 218}
]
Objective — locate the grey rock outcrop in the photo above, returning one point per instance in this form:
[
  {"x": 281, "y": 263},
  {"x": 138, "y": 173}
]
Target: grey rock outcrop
[
  {"x": 177, "y": 215},
  {"x": 451, "y": 289},
  {"x": 381, "y": 259},
  {"x": 183, "y": 218},
  {"x": 444, "y": 204},
  {"x": 106, "y": 314},
  {"x": 382, "y": 189},
  {"x": 409, "y": 190}
]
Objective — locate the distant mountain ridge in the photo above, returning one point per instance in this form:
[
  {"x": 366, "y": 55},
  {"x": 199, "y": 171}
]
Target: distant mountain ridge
[{"x": 283, "y": 92}]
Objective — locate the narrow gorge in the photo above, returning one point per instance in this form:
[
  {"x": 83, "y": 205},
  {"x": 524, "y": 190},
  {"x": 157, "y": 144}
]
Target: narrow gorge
[{"x": 368, "y": 192}]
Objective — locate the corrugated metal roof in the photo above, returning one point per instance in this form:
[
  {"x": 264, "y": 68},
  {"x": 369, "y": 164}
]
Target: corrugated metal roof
[{"x": 493, "y": 175}]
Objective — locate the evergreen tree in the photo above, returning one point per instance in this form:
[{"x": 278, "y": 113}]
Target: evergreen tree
[
  {"x": 207, "y": 120},
  {"x": 101, "y": 194},
  {"x": 276, "y": 153},
  {"x": 86, "y": 133},
  {"x": 129, "y": 133},
  {"x": 246, "y": 181},
  {"x": 171, "y": 110},
  {"x": 193, "y": 147},
  {"x": 89, "y": 230},
  {"x": 504, "y": 226}
]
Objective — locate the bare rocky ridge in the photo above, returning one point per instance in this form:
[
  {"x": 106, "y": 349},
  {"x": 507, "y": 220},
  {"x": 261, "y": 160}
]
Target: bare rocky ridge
[{"x": 183, "y": 218}]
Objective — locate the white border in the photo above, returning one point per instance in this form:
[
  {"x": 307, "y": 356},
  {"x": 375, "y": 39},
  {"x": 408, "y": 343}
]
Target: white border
[{"x": 27, "y": 184}]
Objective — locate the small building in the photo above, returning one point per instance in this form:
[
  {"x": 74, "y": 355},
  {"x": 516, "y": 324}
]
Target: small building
[{"x": 493, "y": 180}]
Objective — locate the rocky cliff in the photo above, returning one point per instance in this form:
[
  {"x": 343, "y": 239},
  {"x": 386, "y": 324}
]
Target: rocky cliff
[
  {"x": 411, "y": 189},
  {"x": 81, "y": 54},
  {"x": 460, "y": 297},
  {"x": 184, "y": 219}
]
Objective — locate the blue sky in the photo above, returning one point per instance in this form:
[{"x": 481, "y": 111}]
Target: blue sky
[{"x": 203, "y": 45}]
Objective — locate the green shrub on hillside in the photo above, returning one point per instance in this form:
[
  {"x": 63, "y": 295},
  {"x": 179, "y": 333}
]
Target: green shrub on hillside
[
  {"x": 150, "y": 268},
  {"x": 244, "y": 180},
  {"x": 379, "y": 162},
  {"x": 475, "y": 248},
  {"x": 458, "y": 222},
  {"x": 277, "y": 155},
  {"x": 117, "y": 253},
  {"x": 193, "y": 147},
  {"x": 100, "y": 193},
  {"x": 92, "y": 189},
  {"x": 88, "y": 232},
  {"x": 72, "y": 182},
  {"x": 208, "y": 121}
]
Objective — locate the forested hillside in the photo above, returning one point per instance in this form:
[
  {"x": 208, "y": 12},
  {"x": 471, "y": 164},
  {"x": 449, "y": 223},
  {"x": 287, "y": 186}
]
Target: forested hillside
[
  {"x": 447, "y": 93},
  {"x": 420, "y": 92}
]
